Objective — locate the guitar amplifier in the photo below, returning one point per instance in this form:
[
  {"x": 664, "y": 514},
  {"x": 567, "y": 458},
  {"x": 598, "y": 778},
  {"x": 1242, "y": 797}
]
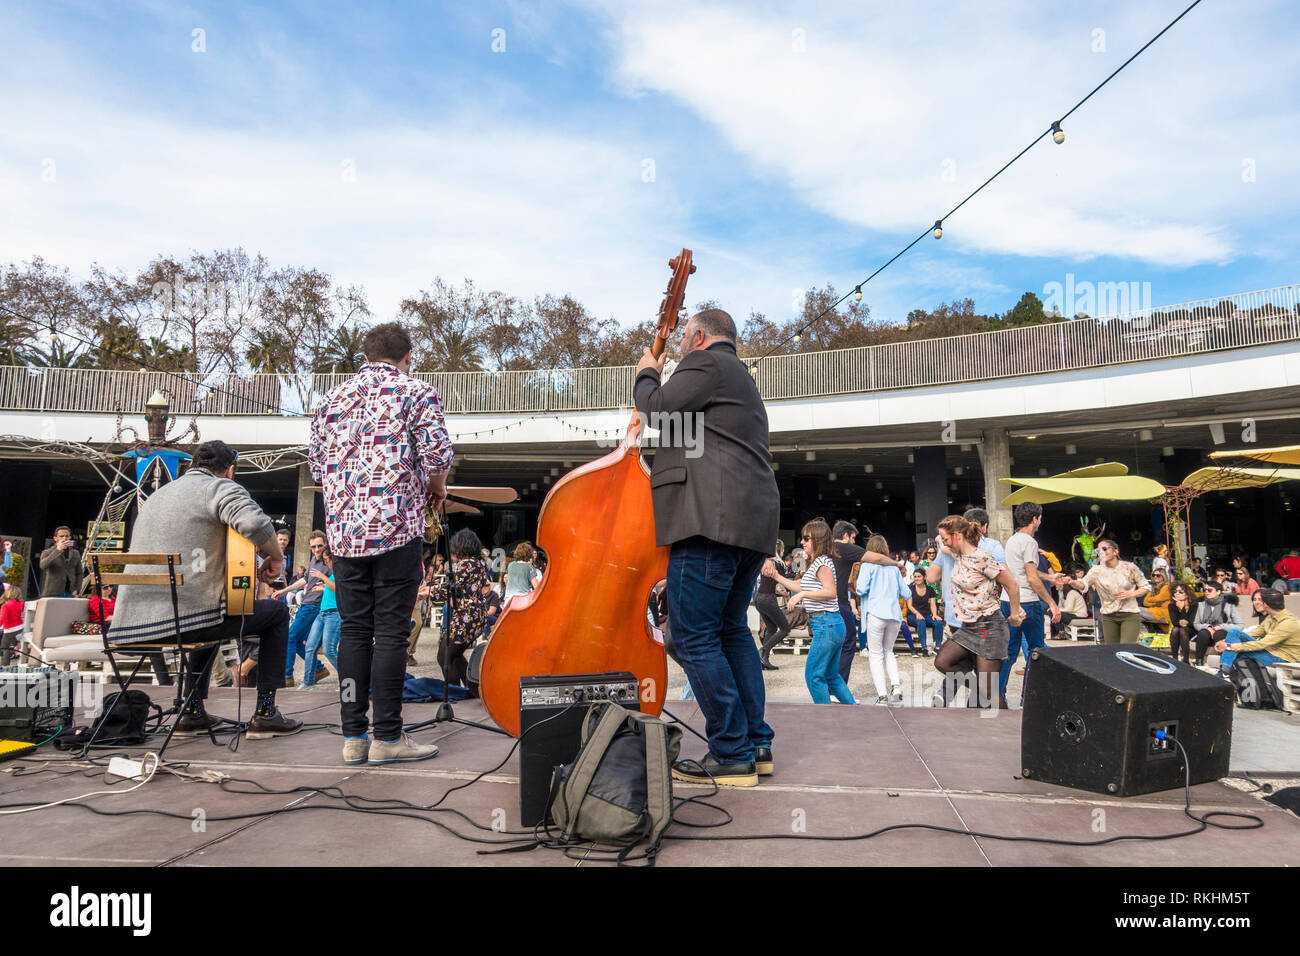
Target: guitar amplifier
[
  {"x": 35, "y": 702},
  {"x": 551, "y": 709}
]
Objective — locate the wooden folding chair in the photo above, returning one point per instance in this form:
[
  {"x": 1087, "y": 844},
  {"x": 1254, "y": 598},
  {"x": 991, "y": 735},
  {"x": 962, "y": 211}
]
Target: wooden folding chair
[{"x": 184, "y": 651}]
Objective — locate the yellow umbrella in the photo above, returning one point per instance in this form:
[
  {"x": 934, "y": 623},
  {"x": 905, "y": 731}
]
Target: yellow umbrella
[
  {"x": 1108, "y": 480},
  {"x": 1118, "y": 488},
  {"x": 1232, "y": 479},
  {"x": 1287, "y": 455}
]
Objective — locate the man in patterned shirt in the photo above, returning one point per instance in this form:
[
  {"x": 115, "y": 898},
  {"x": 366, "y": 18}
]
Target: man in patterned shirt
[{"x": 379, "y": 449}]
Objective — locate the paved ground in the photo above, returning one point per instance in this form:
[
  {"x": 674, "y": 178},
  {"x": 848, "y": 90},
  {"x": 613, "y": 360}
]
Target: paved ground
[{"x": 840, "y": 771}]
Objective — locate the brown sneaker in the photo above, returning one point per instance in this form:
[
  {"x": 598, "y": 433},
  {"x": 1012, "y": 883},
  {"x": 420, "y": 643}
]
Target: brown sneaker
[
  {"x": 321, "y": 674},
  {"x": 273, "y": 725}
]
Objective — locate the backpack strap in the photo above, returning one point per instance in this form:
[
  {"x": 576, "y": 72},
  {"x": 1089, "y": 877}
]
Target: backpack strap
[
  {"x": 658, "y": 779},
  {"x": 594, "y": 744}
]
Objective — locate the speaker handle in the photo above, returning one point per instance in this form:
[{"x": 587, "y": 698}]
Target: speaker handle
[{"x": 1146, "y": 662}]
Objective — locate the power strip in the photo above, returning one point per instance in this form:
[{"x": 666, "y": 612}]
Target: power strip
[{"x": 124, "y": 768}]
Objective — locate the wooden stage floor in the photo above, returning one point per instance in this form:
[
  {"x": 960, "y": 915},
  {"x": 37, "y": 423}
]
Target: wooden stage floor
[{"x": 839, "y": 771}]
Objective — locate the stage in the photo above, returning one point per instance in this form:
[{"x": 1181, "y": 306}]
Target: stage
[{"x": 839, "y": 771}]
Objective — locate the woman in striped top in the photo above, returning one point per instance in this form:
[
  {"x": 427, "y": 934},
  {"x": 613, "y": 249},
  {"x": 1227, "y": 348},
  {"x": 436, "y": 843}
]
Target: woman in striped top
[{"x": 816, "y": 591}]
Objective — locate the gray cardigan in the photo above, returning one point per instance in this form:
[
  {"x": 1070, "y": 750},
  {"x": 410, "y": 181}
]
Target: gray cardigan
[
  {"x": 188, "y": 516},
  {"x": 1204, "y": 612}
]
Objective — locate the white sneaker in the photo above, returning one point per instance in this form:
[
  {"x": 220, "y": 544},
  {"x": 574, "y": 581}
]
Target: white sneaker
[
  {"x": 882, "y": 701},
  {"x": 896, "y": 695},
  {"x": 401, "y": 750}
]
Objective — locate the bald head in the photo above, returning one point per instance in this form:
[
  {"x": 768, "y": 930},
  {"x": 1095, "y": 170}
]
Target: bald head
[{"x": 707, "y": 327}]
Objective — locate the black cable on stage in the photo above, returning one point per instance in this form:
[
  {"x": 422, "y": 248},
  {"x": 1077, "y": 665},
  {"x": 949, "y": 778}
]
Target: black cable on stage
[
  {"x": 527, "y": 840},
  {"x": 1055, "y": 127},
  {"x": 1204, "y": 822}
]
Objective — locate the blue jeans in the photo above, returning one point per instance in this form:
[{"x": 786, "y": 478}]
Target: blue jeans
[
  {"x": 708, "y": 599},
  {"x": 923, "y": 624},
  {"x": 324, "y": 634},
  {"x": 821, "y": 673},
  {"x": 298, "y": 632},
  {"x": 1029, "y": 632},
  {"x": 1237, "y": 636}
]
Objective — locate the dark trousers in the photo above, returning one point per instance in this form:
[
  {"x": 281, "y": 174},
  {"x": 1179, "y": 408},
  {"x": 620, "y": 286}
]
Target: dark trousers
[
  {"x": 709, "y": 585},
  {"x": 451, "y": 658},
  {"x": 776, "y": 628},
  {"x": 375, "y": 594},
  {"x": 850, "y": 648},
  {"x": 269, "y": 622},
  {"x": 1182, "y": 639}
]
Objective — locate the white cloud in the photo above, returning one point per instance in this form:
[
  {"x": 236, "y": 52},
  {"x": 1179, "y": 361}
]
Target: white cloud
[
  {"x": 862, "y": 120},
  {"x": 517, "y": 208}
]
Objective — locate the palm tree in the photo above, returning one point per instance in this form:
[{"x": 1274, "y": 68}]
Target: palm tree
[
  {"x": 270, "y": 353},
  {"x": 59, "y": 355},
  {"x": 453, "y": 351},
  {"x": 342, "y": 354}
]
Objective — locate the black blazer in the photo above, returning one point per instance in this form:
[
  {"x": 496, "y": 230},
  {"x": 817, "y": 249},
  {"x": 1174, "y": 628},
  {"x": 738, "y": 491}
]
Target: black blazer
[{"x": 712, "y": 473}]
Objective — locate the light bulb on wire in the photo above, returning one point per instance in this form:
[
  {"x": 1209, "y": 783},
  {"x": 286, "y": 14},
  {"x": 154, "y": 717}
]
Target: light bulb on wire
[
  {"x": 938, "y": 229},
  {"x": 1058, "y": 134},
  {"x": 857, "y": 294}
]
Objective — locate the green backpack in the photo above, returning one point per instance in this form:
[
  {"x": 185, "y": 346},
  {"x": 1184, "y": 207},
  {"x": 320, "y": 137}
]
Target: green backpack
[{"x": 619, "y": 790}]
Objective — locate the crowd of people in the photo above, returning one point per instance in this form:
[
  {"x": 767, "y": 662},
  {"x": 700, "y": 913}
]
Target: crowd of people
[{"x": 979, "y": 602}]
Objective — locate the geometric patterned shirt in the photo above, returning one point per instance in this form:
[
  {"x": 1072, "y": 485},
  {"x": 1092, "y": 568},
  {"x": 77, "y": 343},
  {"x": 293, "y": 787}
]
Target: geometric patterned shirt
[{"x": 376, "y": 440}]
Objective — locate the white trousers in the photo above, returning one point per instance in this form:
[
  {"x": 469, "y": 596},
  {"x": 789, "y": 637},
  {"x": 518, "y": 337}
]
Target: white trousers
[{"x": 880, "y": 652}]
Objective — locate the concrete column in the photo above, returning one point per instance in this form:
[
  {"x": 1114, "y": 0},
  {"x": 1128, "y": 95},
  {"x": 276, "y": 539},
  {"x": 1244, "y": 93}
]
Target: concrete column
[
  {"x": 995, "y": 460},
  {"x": 302, "y": 522},
  {"x": 930, "y": 484},
  {"x": 806, "y": 505}
]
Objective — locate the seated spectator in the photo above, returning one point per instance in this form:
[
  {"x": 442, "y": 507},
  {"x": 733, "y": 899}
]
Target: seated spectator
[
  {"x": 1155, "y": 606},
  {"x": 1182, "y": 622},
  {"x": 101, "y": 609},
  {"x": 1215, "y": 616},
  {"x": 1224, "y": 579},
  {"x": 1288, "y": 570},
  {"x": 1275, "y": 641},
  {"x": 1072, "y": 603},
  {"x": 1160, "y": 561}
]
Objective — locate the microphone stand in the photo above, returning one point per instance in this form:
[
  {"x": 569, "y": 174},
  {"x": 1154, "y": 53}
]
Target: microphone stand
[{"x": 445, "y": 714}]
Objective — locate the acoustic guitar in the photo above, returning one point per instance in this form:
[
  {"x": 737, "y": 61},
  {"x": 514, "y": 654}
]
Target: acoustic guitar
[{"x": 241, "y": 574}]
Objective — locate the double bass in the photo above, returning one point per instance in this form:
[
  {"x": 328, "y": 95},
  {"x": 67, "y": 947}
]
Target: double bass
[{"x": 588, "y": 613}]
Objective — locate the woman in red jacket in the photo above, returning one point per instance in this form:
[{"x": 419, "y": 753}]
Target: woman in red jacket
[{"x": 11, "y": 622}]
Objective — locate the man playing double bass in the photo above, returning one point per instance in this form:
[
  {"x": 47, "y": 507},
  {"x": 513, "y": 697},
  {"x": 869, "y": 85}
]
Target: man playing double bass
[{"x": 717, "y": 508}]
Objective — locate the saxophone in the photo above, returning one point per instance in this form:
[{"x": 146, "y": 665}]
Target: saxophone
[{"x": 432, "y": 524}]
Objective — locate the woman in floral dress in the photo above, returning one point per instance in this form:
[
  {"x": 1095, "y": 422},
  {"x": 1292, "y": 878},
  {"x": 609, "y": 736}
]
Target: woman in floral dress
[{"x": 465, "y": 590}]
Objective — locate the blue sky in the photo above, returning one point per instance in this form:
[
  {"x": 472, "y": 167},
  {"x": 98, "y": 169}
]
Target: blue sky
[{"x": 792, "y": 145}]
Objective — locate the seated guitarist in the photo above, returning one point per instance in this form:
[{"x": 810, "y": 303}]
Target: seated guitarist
[{"x": 189, "y": 516}]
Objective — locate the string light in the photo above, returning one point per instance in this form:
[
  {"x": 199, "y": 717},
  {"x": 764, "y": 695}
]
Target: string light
[
  {"x": 857, "y": 294},
  {"x": 1057, "y": 134}
]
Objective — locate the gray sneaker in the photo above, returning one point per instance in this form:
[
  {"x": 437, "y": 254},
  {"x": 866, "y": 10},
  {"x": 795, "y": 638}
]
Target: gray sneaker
[
  {"x": 401, "y": 750},
  {"x": 356, "y": 751}
]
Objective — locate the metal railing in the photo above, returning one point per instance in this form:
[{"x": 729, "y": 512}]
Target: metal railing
[{"x": 1208, "y": 325}]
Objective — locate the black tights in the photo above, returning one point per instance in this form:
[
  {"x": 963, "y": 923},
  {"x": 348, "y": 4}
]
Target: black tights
[
  {"x": 956, "y": 662},
  {"x": 1181, "y": 640}
]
